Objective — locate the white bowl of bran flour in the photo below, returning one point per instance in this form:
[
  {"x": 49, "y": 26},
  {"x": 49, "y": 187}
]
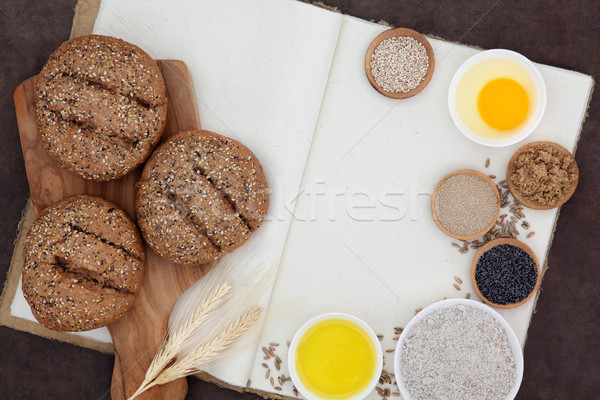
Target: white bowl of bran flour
[{"x": 458, "y": 349}]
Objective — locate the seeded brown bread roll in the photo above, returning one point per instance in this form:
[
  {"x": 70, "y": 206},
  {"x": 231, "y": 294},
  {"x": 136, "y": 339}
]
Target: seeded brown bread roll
[
  {"x": 101, "y": 106},
  {"x": 200, "y": 195},
  {"x": 84, "y": 263}
]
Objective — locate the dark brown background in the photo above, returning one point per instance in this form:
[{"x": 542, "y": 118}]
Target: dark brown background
[{"x": 563, "y": 349}]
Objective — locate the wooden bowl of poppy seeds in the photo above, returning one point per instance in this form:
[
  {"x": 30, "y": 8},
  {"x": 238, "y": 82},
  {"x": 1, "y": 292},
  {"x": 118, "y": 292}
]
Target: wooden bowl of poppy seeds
[
  {"x": 399, "y": 63},
  {"x": 542, "y": 175},
  {"x": 465, "y": 204},
  {"x": 505, "y": 273}
]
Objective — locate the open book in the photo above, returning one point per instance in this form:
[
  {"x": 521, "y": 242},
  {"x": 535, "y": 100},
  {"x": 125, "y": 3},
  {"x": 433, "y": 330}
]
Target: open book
[{"x": 351, "y": 171}]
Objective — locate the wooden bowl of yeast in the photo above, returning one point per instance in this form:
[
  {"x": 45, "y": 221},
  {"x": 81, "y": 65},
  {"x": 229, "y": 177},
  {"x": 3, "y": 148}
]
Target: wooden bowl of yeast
[
  {"x": 399, "y": 32},
  {"x": 511, "y": 242},
  {"x": 510, "y": 169},
  {"x": 479, "y": 175}
]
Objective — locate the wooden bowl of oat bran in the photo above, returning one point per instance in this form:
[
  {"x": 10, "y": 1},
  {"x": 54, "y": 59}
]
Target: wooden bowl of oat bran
[
  {"x": 465, "y": 203},
  {"x": 415, "y": 78},
  {"x": 542, "y": 175}
]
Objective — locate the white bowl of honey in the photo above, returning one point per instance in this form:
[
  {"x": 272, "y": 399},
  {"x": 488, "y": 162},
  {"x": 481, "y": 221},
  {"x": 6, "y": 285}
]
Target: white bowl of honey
[
  {"x": 335, "y": 356},
  {"x": 497, "y": 98}
]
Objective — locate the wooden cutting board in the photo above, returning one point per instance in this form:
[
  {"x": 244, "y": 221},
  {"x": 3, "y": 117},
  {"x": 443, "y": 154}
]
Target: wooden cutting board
[{"x": 138, "y": 334}]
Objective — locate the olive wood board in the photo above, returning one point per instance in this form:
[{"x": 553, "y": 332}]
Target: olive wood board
[{"x": 138, "y": 333}]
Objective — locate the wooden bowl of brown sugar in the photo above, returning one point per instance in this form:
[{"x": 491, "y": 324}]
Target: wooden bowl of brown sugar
[
  {"x": 399, "y": 63},
  {"x": 542, "y": 175},
  {"x": 465, "y": 204},
  {"x": 508, "y": 275}
]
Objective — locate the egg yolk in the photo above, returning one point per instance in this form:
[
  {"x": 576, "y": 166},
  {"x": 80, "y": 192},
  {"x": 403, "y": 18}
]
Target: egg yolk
[
  {"x": 335, "y": 359},
  {"x": 503, "y": 104}
]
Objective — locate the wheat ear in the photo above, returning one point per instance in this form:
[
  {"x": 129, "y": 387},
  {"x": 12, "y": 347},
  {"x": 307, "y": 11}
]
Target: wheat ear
[
  {"x": 210, "y": 350},
  {"x": 175, "y": 341}
]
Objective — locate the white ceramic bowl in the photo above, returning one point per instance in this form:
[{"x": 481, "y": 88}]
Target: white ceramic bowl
[
  {"x": 512, "y": 339},
  {"x": 294, "y": 345},
  {"x": 532, "y": 121}
]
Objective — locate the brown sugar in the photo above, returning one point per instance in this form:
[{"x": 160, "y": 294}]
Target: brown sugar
[{"x": 543, "y": 174}]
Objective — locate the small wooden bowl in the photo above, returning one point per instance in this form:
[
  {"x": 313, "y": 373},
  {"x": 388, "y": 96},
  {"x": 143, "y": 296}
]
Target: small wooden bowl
[
  {"x": 512, "y": 242},
  {"x": 471, "y": 172},
  {"x": 396, "y": 32},
  {"x": 531, "y": 203}
]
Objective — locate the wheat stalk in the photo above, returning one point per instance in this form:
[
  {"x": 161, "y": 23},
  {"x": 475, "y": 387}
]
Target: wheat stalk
[{"x": 175, "y": 341}]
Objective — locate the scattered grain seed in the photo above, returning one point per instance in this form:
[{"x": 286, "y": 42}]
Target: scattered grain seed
[
  {"x": 455, "y": 245},
  {"x": 272, "y": 381},
  {"x": 380, "y": 337},
  {"x": 267, "y": 373},
  {"x": 487, "y": 163},
  {"x": 456, "y": 286},
  {"x": 273, "y": 344},
  {"x": 458, "y": 280},
  {"x": 530, "y": 234},
  {"x": 492, "y": 176},
  {"x": 418, "y": 310},
  {"x": 264, "y": 365},
  {"x": 390, "y": 350},
  {"x": 468, "y": 296}
]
